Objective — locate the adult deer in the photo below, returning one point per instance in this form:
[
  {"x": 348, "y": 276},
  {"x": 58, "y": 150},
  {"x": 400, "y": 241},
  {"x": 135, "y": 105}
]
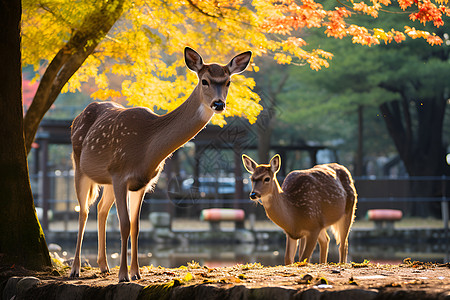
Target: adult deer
[
  {"x": 308, "y": 202},
  {"x": 124, "y": 149}
]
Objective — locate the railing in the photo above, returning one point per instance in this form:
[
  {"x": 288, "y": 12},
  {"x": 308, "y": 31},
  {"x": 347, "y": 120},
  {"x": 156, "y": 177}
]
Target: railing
[{"x": 56, "y": 197}]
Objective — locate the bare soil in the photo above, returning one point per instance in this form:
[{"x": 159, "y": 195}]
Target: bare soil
[{"x": 428, "y": 277}]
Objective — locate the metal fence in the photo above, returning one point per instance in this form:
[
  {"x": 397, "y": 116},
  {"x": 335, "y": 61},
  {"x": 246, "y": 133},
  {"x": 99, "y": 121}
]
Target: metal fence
[{"x": 416, "y": 196}]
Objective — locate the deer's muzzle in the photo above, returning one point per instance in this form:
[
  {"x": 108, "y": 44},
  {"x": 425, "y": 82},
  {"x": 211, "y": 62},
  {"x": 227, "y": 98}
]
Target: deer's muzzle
[
  {"x": 218, "y": 105},
  {"x": 254, "y": 195}
]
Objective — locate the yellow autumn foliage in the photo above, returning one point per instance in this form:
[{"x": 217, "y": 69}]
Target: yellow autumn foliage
[{"x": 141, "y": 57}]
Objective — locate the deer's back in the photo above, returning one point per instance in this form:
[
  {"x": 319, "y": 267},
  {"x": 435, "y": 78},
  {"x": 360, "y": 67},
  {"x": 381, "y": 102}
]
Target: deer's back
[
  {"x": 317, "y": 191},
  {"x": 103, "y": 133},
  {"x": 82, "y": 124}
]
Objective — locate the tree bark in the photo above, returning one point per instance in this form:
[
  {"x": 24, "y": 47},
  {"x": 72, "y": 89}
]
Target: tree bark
[
  {"x": 359, "y": 166},
  {"x": 67, "y": 61},
  {"x": 420, "y": 146},
  {"x": 22, "y": 240}
]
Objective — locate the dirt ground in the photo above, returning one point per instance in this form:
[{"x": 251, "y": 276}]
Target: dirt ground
[{"x": 411, "y": 275}]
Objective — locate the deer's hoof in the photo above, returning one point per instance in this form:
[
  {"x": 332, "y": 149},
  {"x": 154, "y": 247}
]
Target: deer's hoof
[
  {"x": 74, "y": 274},
  {"x": 105, "y": 272},
  {"x": 136, "y": 277},
  {"x": 125, "y": 279}
]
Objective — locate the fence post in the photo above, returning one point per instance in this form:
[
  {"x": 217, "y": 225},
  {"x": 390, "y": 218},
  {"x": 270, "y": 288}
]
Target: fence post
[{"x": 444, "y": 205}]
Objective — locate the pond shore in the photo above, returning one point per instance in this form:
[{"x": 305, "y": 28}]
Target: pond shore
[{"x": 410, "y": 280}]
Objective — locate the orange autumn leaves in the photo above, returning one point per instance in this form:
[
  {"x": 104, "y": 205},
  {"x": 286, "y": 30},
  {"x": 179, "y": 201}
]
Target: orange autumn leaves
[{"x": 290, "y": 15}]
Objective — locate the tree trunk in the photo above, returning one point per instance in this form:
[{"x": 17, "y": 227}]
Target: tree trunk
[
  {"x": 420, "y": 147},
  {"x": 22, "y": 240},
  {"x": 268, "y": 89},
  {"x": 359, "y": 165},
  {"x": 67, "y": 61}
]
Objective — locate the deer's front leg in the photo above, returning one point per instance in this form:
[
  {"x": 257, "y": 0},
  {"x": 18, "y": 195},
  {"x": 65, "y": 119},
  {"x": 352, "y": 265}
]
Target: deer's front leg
[
  {"x": 135, "y": 210},
  {"x": 103, "y": 207},
  {"x": 291, "y": 248},
  {"x": 311, "y": 241},
  {"x": 301, "y": 246},
  {"x": 324, "y": 241},
  {"x": 120, "y": 191}
]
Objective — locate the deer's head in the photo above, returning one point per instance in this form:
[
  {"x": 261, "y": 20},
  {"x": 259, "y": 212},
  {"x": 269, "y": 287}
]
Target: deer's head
[
  {"x": 214, "y": 79},
  {"x": 263, "y": 176}
]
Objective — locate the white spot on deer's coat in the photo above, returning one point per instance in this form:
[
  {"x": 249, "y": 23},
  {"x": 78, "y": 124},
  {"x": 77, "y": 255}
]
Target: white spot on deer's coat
[
  {"x": 81, "y": 138},
  {"x": 203, "y": 113},
  {"x": 92, "y": 147}
]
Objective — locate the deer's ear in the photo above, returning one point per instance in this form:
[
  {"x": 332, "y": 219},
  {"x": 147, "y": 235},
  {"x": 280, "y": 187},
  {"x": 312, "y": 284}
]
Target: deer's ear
[
  {"x": 193, "y": 60},
  {"x": 249, "y": 164},
  {"x": 239, "y": 63},
  {"x": 275, "y": 163}
]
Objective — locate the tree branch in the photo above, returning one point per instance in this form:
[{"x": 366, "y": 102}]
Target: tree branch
[{"x": 67, "y": 61}]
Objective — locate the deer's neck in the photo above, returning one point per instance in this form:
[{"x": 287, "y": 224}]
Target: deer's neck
[
  {"x": 277, "y": 208},
  {"x": 176, "y": 128}
]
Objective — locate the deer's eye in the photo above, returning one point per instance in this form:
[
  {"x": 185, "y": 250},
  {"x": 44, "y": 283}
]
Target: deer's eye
[
  {"x": 204, "y": 82},
  {"x": 267, "y": 179}
]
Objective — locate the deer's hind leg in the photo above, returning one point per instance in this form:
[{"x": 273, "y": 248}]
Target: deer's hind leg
[
  {"x": 343, "y": 227},
  {"x": 86, "y": 190},
  {"x": 103, "y": 207}
]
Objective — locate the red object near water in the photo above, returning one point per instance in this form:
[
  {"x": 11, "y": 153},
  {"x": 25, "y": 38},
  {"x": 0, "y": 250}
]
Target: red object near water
[
  {"x": 384, "y": 214},
  {"x": 222, "y": 214}
]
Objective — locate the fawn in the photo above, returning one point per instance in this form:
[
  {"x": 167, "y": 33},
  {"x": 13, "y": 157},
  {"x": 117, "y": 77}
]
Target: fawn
[{"x": 306, "y": 204}]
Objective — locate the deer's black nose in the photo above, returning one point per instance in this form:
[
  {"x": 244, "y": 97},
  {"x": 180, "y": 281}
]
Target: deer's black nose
[
  {"x": 218, "y": 105},
  {"x": 254, "y": 196}
]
